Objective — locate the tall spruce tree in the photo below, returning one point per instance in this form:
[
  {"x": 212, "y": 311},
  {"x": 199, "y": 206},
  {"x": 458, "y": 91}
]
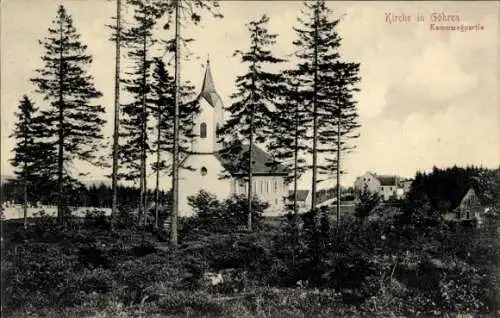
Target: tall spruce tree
[
  {"x": 116, "y": 117},
  {"x": 174, "y": 11},
  {"x": 289, "y": 133},
  {"x": 29, "y": 151},
  {"x": 163, "y": 98},
  {"x": 162, "y": 106},
  {"x": 340, "y": 123},
  {"x": 319, "y": 66},
  {"x": 73, "y": 122},
  {"x": 253, "y": 105},
  {"x": 138, "y": 40}
]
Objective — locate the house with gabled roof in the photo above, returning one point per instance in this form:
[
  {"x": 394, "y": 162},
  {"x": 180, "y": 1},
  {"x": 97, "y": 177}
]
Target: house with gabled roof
[
  {"x": 468, "y": 209},
  {"x": 206, "y": 169},
  {"x": 387, "y": 186}
]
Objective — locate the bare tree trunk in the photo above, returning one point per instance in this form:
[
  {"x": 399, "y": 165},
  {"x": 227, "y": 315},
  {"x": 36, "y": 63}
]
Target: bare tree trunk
[
  {"x": 295, "y": 158},
  {"x": 250, "y": 176},
  {"x": 25, "y": 199},
  {"x": 142, "y": 203},
  {"x": 175, "y": 159},
  {"x": 250, "y": 162},
  {"x": 157, "y": 193},
  {"x": 114, "y": 177},
  {"x": 315, "y": 115},
  {"x": 60, "y": 155},
  {"x": 338, "y": 170}
]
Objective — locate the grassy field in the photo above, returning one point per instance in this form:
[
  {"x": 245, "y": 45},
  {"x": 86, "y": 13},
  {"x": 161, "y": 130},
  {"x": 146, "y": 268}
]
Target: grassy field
[{"x": 86, "y": 270}]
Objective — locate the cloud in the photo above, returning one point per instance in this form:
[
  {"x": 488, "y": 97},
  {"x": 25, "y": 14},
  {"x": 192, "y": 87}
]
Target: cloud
[
  {"x": 437, "y": 73},
  {"x": 426, "y": 97}
]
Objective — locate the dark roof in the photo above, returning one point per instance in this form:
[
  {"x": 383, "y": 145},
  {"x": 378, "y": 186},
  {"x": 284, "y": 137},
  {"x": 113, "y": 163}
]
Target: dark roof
[
  {"x": 262, "y": 162},
  {"x": 387, "y": 180},
  {"x": 301, "y": 194},
  {"x": 469, "y": 199},
  {"x": 208, "y": 91}
]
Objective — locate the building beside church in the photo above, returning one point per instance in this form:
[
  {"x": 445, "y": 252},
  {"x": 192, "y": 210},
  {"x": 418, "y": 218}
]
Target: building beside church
[
  {"x": 387, "y": 186},
  {"x": 203, "y": 167}
]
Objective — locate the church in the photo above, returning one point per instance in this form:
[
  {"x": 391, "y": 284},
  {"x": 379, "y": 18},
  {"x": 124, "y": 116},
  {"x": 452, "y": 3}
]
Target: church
[{"x": 207, "y": 167}]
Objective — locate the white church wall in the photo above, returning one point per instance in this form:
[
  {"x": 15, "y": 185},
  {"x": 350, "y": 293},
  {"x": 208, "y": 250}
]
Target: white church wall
[
  {"x": 270, "y": 189},
  {"x": 206, "y": 116},
  {"x": 191, "y": 182}
]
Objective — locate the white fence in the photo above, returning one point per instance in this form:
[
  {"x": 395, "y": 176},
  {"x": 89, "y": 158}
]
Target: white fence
[{"x": 17, "y": 212}]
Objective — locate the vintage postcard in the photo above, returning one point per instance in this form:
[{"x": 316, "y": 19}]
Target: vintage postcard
[{"x": 250, "y": 158}]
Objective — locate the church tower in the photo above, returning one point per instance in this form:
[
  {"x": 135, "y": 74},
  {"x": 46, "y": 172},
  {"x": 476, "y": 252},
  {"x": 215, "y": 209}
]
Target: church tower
[
  {"x": 206, "y": 170},
  {"x": 210, "y": 118}
]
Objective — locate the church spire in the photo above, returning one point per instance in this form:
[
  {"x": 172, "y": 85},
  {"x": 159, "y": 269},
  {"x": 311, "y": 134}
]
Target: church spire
[{"x": 208, "y": 82}]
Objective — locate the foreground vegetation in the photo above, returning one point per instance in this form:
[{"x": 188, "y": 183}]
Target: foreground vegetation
[{"x": 288, "y": 267}]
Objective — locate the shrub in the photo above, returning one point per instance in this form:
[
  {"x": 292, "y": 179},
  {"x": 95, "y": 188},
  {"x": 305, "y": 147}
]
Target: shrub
[
  {"x": 367, "y": 202},
  {"x": 228, "y": 215},
  {"x": 96, "y": 218}
]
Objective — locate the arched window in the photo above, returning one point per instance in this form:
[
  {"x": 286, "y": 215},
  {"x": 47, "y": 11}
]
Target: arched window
[
  {"x": 203, "y": 130},
  {"x": 203, "y": 171},
  {"x": 217, "y": 134}
]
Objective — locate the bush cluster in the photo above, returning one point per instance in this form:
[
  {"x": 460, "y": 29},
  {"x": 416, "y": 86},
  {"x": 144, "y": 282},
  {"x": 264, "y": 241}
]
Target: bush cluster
[
  {"x": 212, "y": 215},
  {"x": 391, "y": 265}
]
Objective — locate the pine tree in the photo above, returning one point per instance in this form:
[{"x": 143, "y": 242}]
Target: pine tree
[
  {"x": 138, "y": 40},
  {"x": 339, "y": 123},
  {"x": 29, "y": 152},
  {"x": 289, "y": 132},
  {"x": 324, "y": 79},
  {"x": 116, "y": 119},
  {"x": 162, "y": 89},
  {"x": 252, "y": 109},
  {"x": 73, "y": 122},
  {"x": 174, "y": 10},
  {"x": 162, "y": 101}
]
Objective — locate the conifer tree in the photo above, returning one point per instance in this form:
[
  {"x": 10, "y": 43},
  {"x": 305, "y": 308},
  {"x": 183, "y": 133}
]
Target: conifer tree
[
  {"x": 289, "y": 132},
  {"x": 174, "y": 10},
  {"x": 138, "y": 41},
  {"x": 324, "y": 79},
  {"x": 116, "y": 119},
  {"x": 252, "y": 108},
  {"x": 30, "y": 152},
  {"x": 162, "y": 106},
  {"x": 340, "y": 123},
  {"x": 73, "y": 122}
]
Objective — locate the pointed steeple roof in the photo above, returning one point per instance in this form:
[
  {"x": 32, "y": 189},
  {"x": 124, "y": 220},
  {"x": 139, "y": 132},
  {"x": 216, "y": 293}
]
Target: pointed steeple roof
[
  {"x": 208, "y": 81},
  {"x": 208, "y": 89}
]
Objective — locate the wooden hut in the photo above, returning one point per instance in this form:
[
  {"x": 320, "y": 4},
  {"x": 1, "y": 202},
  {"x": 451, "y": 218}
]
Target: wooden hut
[{"x": 469, "y": 208}]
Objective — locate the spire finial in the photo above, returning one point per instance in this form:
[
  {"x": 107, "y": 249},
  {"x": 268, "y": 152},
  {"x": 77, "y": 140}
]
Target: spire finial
[{"x": 208, "y": 82}]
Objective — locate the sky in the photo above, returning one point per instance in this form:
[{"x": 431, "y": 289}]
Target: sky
[{"x": 428, "y": 97}]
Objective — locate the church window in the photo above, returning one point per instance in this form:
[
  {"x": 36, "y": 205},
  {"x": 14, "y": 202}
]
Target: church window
[
  {"x": 275, "y": 185},
  {"x": 267, "y": 187},
  {"x": 203, "y": 171},
  {"x": 203, "y": 130},
  {"x": 262, "y": 187},
  {"x": 217, "y": 131}
]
